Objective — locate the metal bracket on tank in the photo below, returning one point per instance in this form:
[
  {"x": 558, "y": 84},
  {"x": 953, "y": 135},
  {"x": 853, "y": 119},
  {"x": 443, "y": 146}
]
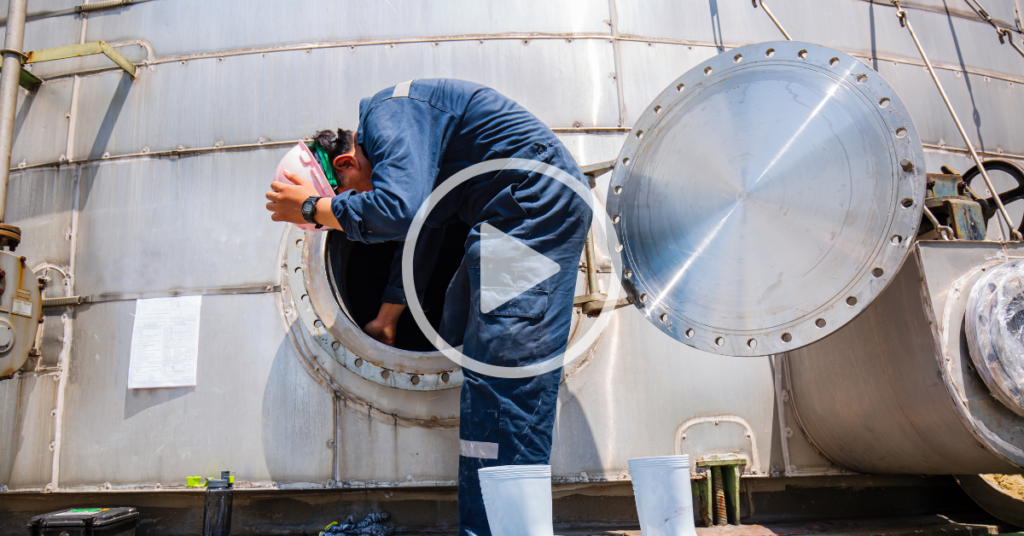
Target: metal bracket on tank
[
  {"x": 32, "y": 82},
  {"x": 592, "y": 303},
  {"x": 719, "y": 495}
]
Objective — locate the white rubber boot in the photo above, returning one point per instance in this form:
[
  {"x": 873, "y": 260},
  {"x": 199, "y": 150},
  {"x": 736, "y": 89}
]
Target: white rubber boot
[
  {"x": 518, "y": 499},
  {"x": 664, "y": 501}
]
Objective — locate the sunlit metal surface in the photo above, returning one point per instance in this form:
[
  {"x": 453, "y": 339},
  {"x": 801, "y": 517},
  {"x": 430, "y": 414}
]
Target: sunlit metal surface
[{"x": 765, "y": 198}]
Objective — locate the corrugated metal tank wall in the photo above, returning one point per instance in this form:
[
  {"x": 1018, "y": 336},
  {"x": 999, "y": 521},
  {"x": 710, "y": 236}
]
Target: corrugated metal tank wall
[{"x": 101, "y": 199}]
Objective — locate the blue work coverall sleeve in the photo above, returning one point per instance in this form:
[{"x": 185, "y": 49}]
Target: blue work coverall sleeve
[
  {"x": 404, "y": 138},
  {"x": 427, "y": 250}
]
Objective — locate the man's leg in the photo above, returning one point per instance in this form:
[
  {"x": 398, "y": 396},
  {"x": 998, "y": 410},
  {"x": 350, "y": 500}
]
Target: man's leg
[
  {"x": 510, "y": 421},
  {"x": 503, "y": 422}
]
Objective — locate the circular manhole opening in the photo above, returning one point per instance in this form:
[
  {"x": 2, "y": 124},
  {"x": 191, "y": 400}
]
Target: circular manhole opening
[{"x": 360, "y": 273}]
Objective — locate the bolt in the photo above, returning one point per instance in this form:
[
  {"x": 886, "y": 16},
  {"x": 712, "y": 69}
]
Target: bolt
[
  {"x": 931, "y": 183},
  {"x": 33, "y": 353},
  {"x": 41, "y": 319},
  {"x": 907, "y": 165},
  {"x": 444, "y": 377},
  {"x": 24, "y": 259},
  {"x": 415, "y": 380},
  {"x": 42, "y": 286}
]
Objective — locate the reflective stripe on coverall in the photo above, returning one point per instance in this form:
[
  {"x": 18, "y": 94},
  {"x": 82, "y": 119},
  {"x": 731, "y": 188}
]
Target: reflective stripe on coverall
[{"x": 418, "y": 134}]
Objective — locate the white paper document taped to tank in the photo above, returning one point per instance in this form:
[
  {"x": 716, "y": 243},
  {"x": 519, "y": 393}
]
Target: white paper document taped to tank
[
  {"x": 165, "y": 343},
  {"x": 995, "y": 332}
]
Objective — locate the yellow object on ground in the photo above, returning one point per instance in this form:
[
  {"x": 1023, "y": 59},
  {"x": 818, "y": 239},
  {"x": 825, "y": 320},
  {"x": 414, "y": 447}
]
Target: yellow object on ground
[{"x": 1011, "y": 484}]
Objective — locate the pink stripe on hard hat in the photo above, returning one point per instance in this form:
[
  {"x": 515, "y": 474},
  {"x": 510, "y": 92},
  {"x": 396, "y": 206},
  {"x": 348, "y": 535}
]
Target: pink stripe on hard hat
[{"x": 300, "y": 161}]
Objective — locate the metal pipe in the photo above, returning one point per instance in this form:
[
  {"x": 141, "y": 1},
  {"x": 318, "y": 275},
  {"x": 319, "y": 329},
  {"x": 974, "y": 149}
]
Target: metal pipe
[
  {"x": 588, "y": 248},
  {"x": 1014, "y": 234},
  {"x": 9, "y": 92},
  {"x": 775, "y": 20}
]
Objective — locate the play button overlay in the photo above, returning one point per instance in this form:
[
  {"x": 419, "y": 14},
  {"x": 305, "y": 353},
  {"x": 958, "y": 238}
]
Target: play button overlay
[{"x": 508, "y": 268}]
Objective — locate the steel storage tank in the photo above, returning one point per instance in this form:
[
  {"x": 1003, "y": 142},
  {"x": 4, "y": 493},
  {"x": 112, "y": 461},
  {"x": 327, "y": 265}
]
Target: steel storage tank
[{"x": 147, "y": 187}]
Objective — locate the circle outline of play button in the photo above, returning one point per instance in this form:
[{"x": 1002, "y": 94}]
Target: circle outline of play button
[{"x": 571, "y": 353}]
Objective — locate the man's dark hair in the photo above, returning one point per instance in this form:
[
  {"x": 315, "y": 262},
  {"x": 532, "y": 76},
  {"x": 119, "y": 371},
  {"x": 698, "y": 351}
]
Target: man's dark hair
[{"x": 335, "y": 143}]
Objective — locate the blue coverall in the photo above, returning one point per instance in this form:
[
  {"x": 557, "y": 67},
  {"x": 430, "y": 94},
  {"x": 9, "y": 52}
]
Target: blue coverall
[{"x": 416, "y": 135}]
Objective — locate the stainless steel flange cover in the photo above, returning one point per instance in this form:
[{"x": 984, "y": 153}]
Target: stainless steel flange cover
[{"x": 765, "y": 198}]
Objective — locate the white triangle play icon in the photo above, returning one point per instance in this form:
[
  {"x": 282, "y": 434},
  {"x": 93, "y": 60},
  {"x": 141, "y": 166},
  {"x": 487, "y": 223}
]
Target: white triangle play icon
[{"x": 508, "y": 268}]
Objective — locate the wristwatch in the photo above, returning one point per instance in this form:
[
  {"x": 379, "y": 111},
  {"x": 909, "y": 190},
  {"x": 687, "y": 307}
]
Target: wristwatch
[{"x": 309, "y": 210}]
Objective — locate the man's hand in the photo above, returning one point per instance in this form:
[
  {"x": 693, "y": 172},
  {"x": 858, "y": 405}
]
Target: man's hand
[
  {"x": 384, "y": 328},
  {"x": 286, "y": 199}
]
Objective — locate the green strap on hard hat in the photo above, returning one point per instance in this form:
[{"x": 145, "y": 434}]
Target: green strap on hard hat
[{"x": 324, "y": 160}]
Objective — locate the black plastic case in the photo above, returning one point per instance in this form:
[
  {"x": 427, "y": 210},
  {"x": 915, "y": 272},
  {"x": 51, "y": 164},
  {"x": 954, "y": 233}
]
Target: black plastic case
[{"x": 85, "y": 522}]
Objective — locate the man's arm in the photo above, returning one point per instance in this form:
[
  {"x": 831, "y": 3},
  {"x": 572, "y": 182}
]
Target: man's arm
[
  {"x": 286, "y": 202},
  {"x": 384, "y": 328},
  {"x": 405, "y": 138}
]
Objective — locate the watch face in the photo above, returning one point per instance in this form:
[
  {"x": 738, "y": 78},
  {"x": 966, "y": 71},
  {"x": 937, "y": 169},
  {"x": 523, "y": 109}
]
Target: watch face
[{"x": 307, "y": 205}]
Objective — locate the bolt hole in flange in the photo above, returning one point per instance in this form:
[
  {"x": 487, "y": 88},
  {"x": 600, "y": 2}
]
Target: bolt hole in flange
[
  {"x": 737, "y": 58},
  {"x": 802, "y": 54},
  {"x": 820, "y": 322},
  {"x": 851, "y": 301},
  {"x": 786, "y": 337},
  {"x": 862, "y": 78},
  {"x": 833, "y": 62},
  {"x": 884, "y": 103},
  {"x": 769, "y": 53},
  {"x": 878, "y": 272}
]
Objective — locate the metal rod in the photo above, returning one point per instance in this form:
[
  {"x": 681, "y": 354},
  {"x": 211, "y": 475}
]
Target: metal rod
[
  {"x": 1014, "y": 234},
  {"x": 721, "y": 515},
  {"x": 980, "y": 10},
  {"x": 944, "y": 231},
  {"x": 1001, "y": 32},
  {"x": 775, "y": 20},
  {"x": 1009, "y": 36},
  {"x": 9, "y": 75},
  {"x": 588, "y": 248}
]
